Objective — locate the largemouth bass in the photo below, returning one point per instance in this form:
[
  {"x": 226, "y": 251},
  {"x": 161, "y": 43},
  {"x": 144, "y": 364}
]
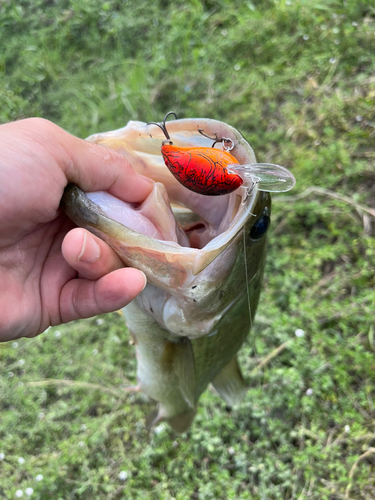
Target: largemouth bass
[{"x": 204, "y": 260}]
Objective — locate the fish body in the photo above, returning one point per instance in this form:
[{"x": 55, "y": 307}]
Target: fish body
[{"x": 204, "y": 260}]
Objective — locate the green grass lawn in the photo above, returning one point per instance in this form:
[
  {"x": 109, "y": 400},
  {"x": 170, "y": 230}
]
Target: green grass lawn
[{"x": 298, "y": 79}]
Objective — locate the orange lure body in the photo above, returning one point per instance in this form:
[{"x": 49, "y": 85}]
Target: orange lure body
[{"x": 202, "y": 170}]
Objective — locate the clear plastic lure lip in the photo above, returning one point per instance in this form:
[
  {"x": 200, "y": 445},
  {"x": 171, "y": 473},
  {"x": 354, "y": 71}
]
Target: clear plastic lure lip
[{"x": 269, "y": 177}]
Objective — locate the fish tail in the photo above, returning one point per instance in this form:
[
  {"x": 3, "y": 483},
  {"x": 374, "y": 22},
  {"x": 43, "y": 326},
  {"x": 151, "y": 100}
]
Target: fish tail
[{"x": 230, "y": 384}]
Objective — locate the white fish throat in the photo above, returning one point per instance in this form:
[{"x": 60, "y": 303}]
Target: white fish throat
[{"x": 203, "y": 257}]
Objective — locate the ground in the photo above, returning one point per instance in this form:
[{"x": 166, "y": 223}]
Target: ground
[{"x": 297, "y": 79}]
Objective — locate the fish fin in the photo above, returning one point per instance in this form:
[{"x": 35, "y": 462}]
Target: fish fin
[
  {"x": 185, "y": 368},
  {"x": 179, "y": 423},
  {"x": 230, "y": 384},
  {"x": 153, "y": 419},
  {"x": 179, "y": 358}
]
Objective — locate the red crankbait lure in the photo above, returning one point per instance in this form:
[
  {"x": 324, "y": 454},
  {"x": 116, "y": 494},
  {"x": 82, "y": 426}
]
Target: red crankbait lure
[{"x": 202, "y": 170}]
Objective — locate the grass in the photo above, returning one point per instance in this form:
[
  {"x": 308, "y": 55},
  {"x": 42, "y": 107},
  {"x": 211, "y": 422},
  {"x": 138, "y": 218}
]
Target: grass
[{"x": 297, "y": 78}]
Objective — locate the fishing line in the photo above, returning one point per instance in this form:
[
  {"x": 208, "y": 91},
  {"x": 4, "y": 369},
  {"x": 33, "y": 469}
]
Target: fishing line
[
  {"x": 246, "y": 278},
  {"x": 248, "y": 296}
]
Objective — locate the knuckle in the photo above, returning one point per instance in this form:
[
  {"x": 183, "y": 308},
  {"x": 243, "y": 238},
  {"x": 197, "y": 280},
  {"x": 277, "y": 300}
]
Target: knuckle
[{"x": 40, "y": 124}]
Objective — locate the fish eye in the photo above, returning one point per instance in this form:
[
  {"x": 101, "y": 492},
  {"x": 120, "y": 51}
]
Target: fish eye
[{"x": 259, "y": 229}]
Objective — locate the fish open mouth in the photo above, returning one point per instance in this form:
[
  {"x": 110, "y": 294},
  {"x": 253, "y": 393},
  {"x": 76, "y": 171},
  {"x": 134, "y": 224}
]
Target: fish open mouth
[{"x": 174, "y": 230}]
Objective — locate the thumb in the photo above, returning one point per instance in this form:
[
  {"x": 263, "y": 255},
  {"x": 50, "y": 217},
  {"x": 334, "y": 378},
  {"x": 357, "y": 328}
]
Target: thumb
[{"x": 92, "y": 167}]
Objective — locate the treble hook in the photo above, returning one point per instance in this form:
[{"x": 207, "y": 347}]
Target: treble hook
[
  {"x": 163, "y": 127},
  {"x": 223, "y": 140}
]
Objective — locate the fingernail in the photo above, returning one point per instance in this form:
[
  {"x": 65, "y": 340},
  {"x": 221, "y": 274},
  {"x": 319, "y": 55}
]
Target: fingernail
[
  {"x": 90, "y": 252},
  {"x": 145, "y": 280}
]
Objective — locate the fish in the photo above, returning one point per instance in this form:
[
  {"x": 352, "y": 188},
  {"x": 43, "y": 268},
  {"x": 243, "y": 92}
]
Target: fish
[{"x": 204, "y": 258}]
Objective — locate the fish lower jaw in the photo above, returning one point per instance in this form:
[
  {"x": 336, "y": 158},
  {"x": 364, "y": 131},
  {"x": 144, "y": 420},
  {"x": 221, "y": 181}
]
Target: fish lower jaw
[{"x": 178, "y": 323}]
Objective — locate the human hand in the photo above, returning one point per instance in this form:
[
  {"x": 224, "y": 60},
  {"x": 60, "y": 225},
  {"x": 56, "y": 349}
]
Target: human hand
[{"x": 50, "y": 271}]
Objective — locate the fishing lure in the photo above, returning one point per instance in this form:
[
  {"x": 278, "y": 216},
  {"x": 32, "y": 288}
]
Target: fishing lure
[
  {"x": 201, "y": 169},
  {"x": 216, "y": 172}
]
